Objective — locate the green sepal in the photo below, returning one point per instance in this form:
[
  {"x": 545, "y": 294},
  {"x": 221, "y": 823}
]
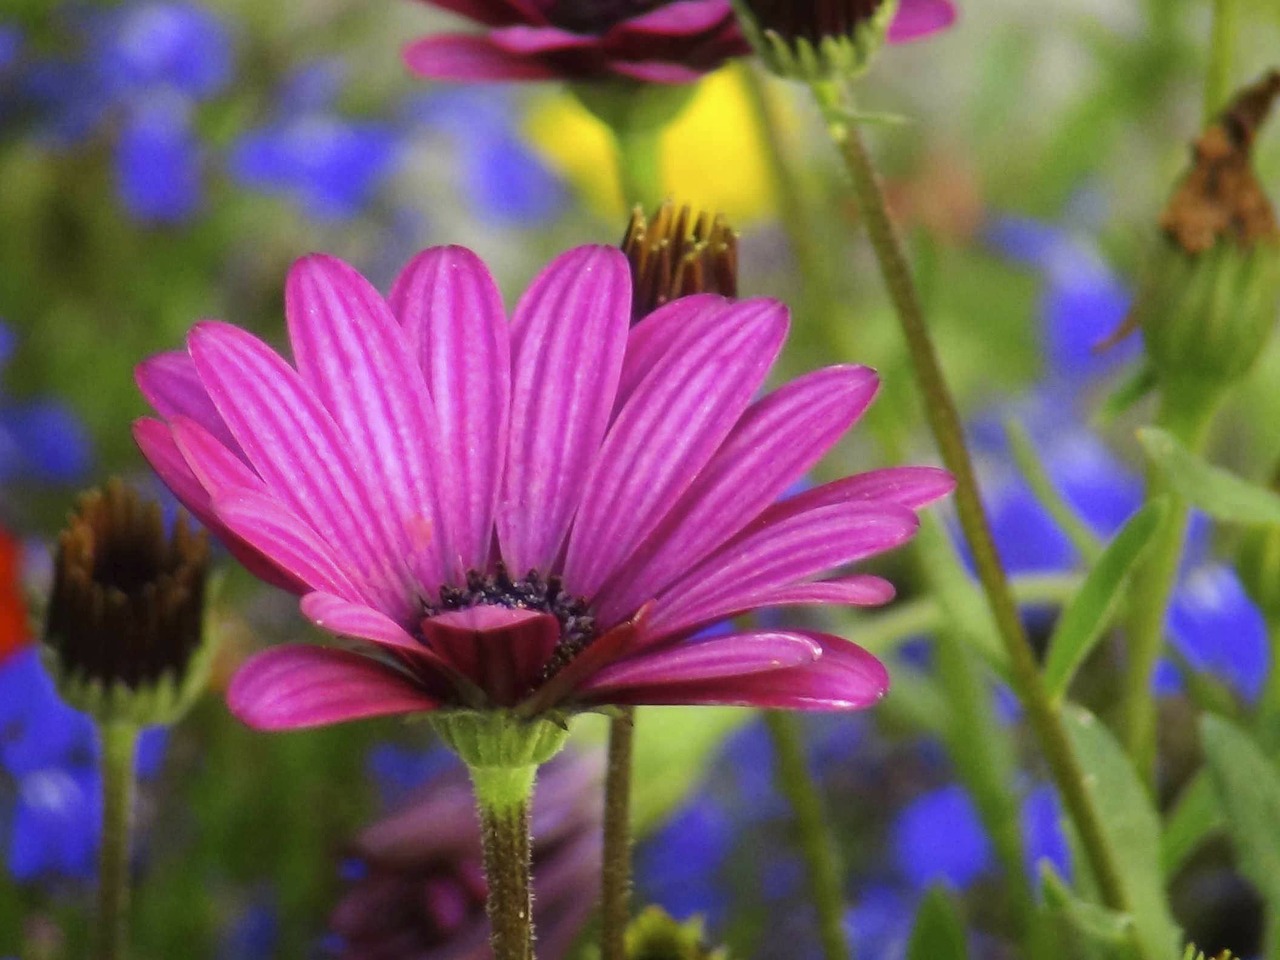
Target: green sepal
[
  {"x": 842, "y": 57},
  {"x": 655, "y": 935},
  {"x": 502, "y": 751}
]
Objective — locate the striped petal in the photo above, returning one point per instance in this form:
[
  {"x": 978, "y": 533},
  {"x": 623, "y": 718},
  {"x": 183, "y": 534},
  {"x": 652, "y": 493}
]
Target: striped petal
[
  {"x": 456, "y": 328},
  {"x": 352, "y": 353},
  {"x": 777, "y": 441},
  {"x": 728, "y": 656},
  {"x": 503, "y": 651},
  {"x": 568, "y": 339},
  {"x": 793, "y": 546},
  {"x": 845, "y": 677},
  {"x": 670, "y": 428},
  {"x": 213, "y": 463},
  {"x": 298, "y": 686},
  {"x": 340, "y": 616},
  {"x": 913, "y": 487},
  {"x": 294, "y": 445},
  {"x": 859, "y": 590},
  {"x": 169, "y": 383},
  {"x": 664, "y": 331}
]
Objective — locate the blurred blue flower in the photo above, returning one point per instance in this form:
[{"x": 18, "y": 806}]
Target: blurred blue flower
[
  {"x": 938, "y": 838},
  {"x": 40, "y": 440},
  {"x": 10, "y": 46},
  {"x": 158, "y": 162},
  {"x": 253, "y": 935},
  {"x": 1083, "y": 301},
  {"x": 1042, "y": 834},
  {"x": 330, "y": 165},
  {"x": 677, "y": 867},
  {"x": 879, "y": 923},
  {"x": 50, "y": 752},
  {"x": 506, "y": 183},
  {"x": 400, "y": 771},
  {"x": 144, "y": 47}
]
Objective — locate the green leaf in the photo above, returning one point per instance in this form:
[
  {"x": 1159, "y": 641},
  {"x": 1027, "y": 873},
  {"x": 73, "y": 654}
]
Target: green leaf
[
  {"x": 1133, "y": 388},
  {"x": 1131, "y": 827},
  {"x": 1091, "y": 610},
  {"x": 1092, "y": 930},
  {"x": 1219, "y": 493},
  {"x": 938, "y": 933},
  {"x": 1249, "y": 790},
  {"x": 1196, "y": 816}
]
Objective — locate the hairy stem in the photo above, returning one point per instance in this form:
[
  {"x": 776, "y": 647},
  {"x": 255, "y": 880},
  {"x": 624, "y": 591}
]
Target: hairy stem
[
  {"x": 119, "y": 747},
  {"x": 503, "y": 796},
  {"x": 944, "y": 421},
  {"x": 615, "y": 880},
  {"x": 795, "y": 782}
]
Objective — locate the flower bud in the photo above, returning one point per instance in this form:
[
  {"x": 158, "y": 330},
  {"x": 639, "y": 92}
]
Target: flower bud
[
  {"x": 816, "y": 40},
  {"x": 654, "y": 935},
  {"x": 677, "y": 253},
  {"x": 1211, "y": 299},
  {"x": 124, "y": 629}
]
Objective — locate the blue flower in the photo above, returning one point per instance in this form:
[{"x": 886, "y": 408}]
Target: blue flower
[
  {"x": 939, "y": 838},
  {"x": 678, "y": 866},
  {"x": 506, "y": 183},
  {"x": 879, "y": 924},
  {"x": 1043, "y": 837},
  {"x": 40, "y": 440},
  {"x": 150, "y": 46},
  {"x": 50, "y": 752},
  {"x": 1083, "y": 301},
  {"x": 11, "y": 42},
  {"x": 254, "y": 935},
  {"x": 330, "y": 165},
  {"x": 400, "y": 771},
  {"x": 158, "y": 162}
]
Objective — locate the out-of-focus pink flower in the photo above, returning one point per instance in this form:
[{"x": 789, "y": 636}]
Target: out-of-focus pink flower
[
  {"x": 675, "y": 41},
  {"x": 422, "y": 892},
  {"x": 534, "y": 515}
]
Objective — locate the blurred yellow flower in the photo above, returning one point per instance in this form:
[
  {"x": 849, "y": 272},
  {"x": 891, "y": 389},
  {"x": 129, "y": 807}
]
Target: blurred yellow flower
[{"x": 713, "y": 155}]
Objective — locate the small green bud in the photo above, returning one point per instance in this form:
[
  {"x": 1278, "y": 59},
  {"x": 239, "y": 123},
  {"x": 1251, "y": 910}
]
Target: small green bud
[
  {"x": 815, "y": 42},
  {"x": 124, "y": 633},
  {"x": 1213, "y": 292},
  {"x": 654, "y": 935}
]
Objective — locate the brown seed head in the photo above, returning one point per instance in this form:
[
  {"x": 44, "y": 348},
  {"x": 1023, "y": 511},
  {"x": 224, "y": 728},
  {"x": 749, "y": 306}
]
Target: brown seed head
[
  {"x": 678, "y": 253},
  {"x": 127, "y": 601}
]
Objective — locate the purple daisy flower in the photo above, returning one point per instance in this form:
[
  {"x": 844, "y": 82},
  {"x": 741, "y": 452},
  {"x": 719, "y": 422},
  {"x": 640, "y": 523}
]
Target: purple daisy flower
[
  {"x": 534, "y": 515},
  {"x": 420, "y": 891},
  {"x": 655, "y": 41}
]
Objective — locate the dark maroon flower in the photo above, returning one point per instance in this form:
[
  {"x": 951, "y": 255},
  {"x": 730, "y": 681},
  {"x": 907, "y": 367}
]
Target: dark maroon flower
[{"x": 422, "y": 895}]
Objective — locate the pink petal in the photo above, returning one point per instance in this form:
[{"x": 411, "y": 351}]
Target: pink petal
[
  {"x": 913, "y": 487},
  {"x": 568, "y": 338},
  {"x": 729, "y": 656},
  {"x": 304, "y": 458},
  {"x": 664, "y": 331},
  {"x": 213, "y": 463},
  {"x": 339, "y": 616},
  {"x": 352, "y": 353},
  {"x": 526, "y": 40},
  {"x": 468, "y": 58},
  {"x": 792, "y": 546},
  {"x": 671, "y": 427},
  {"x": 681, "y": 17},
  {"x": 169, "y": 383},
  {"x": 775, "y": 443},
  {"x": 860, "y": 590},
  {"x": 453, "y": 319},
  {"x": 502, "y": 650},
  {"x": 845, "y": 677},
  {"x": 917, "y": 19},
  {"x": 157, "y": 444},
  {"x": 298, "y": 686},
  {"x": 260, "y": 521},
  {"x": 494, "y": 13}
]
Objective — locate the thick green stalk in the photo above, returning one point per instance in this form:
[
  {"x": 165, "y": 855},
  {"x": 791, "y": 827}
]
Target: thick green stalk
[
  {"x": 944, "y": 421},
  {"x": 1222, "y": 48},
  {"x": 1153, "y": 582},
  {"x": 640, "y": 163},
  {"x": 817, "y": 844},
  {"x": 503, "y": 796},
  {"x": 111, "y": 932},
  {"x": 615, "y": 886}
]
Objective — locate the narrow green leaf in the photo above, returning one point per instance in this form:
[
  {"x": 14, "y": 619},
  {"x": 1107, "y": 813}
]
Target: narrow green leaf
[
  {"x": 1219, "y": 493},
  {"x": 1042, "y": 486},
  {"x": 938, "y": 933},
  {"x": 1091, "y": 929},
  {"x": 1132, "y": 830},
  {"x": 1091, "y": 610},
  {"x": 1133, "y": 388},
  {"x": 1196, "y": 816},
  {"x": 1249, "y": 790}
]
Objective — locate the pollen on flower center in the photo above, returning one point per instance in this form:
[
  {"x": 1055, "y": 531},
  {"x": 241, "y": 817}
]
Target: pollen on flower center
[{"x": 532, "y": 592}]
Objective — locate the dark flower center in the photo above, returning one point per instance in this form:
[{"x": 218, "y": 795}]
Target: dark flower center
[
  {"x": 597, "y": 16},
  {"x": 532, "y": 592},
  {"x": 812, "y": 20}
]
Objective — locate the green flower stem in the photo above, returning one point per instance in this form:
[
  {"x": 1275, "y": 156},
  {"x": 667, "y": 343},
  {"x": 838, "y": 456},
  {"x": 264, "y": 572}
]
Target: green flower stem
[
  {"x": 817, "y": 844},
  {"x": 944, "y": 420},
  {"x": 1222, "y": 48},
  {"x": 1154, "y": 580},
  {"x": 615, "y": 886},
  {"x": 503, "y": 795},
  {"x": 640, "y": 164},
  {"x": 119, "y": 748}
]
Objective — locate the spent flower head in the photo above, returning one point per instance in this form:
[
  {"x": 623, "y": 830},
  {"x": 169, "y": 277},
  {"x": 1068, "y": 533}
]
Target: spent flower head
[
  {"x": 677, "y": 253},
  {"x": 124, "y": 625}
]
